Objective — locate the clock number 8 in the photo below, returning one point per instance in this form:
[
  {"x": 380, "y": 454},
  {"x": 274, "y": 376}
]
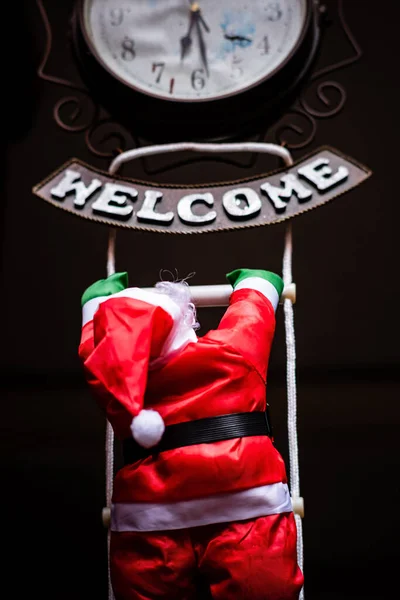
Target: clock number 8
[{"x": 128, "y": 49}]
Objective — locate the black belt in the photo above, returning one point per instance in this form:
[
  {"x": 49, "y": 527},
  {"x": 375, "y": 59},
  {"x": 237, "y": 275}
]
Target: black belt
[{"x": 201, "y": 431}]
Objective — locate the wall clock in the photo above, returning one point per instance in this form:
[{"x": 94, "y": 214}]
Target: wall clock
[{"x": 180, "y": 68}]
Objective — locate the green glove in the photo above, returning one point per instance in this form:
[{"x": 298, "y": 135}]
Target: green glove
[
  {"x": 105, "y": 287},
  {"x": 235, "y": 277}
]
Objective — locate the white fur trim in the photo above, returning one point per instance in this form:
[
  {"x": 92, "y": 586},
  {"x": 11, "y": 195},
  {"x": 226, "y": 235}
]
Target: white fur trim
[
  {"x": 260, "y": 285},
  {"x": 147, "y": 428},
  {"x": 89, "y": 308},
  {"x": 181, "y": 335},
  {"x": 220, "y": 508},
  {"x": 151, "y": 298}
]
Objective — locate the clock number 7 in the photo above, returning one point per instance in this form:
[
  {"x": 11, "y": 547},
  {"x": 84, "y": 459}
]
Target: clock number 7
[{"x": 160, "y": 66}]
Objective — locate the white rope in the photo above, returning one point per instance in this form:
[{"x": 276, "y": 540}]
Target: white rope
[
  {"x": 109, "y": 443},
  {"x": 109, "y": 491},
  {"x": 194, "y": 147},
  {"x": 292, "y": 393},
  {"x": 112, "y": 235},
  {"x": 287, "y": 306}
]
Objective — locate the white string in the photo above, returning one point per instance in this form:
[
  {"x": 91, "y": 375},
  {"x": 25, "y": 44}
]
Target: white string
[
  {"x": 109, "y": 442},
  {"x": 292, "y": 393},
  {"x": 284, "y": 154}
]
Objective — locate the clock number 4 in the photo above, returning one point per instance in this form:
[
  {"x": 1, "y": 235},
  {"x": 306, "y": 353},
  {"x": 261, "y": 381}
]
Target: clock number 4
[{"x": 264, "y": 45}]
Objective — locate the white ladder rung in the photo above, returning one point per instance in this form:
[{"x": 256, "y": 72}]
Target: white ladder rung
[{"x": 218, "y": 295}]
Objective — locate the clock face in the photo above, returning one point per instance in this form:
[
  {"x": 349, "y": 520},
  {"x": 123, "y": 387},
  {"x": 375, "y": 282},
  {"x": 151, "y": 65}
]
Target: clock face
[{"x": 193, "y": 51}]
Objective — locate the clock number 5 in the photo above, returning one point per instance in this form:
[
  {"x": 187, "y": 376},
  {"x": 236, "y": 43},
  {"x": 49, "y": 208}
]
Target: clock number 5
[
  {"x": 198, "y": 80},
  {"x": 128, "y": 49}
]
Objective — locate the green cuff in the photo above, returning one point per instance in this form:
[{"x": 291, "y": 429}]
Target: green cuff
[
  {"x": 105, "y": 287},
  {"x": 235, "y": 277}
]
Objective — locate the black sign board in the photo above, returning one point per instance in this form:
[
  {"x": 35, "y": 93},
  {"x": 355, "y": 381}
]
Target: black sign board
[{"x": 263, "y": 200}]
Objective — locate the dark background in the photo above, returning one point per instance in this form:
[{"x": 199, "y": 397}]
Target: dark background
[{"x": 346, "y": 270}]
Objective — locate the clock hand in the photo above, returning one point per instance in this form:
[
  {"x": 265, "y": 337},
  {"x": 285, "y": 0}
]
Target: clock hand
[
  {"x": 203, "y": 50},
  {"x": 202, "y": 21},
  {"x": 195, "y": 8},
  {"x": 186, "y": 40},
  {"x": 237, "y": 38}
]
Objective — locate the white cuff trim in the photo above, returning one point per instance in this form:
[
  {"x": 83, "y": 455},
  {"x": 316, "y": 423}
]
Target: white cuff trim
[
  {"x": 220, "y": 508},
  {"x": 260, "y": 285},
  {"x": 90, "y": 307}
]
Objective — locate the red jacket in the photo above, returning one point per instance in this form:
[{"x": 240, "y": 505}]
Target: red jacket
[{"x": 224, "y": 372}]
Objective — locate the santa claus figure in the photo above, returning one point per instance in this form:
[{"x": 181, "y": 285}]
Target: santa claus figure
[{"x": 203, "y": 491}]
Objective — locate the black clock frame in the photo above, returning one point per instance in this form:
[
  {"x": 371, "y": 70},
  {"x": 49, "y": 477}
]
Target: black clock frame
[{"x": 160, "y": 119}]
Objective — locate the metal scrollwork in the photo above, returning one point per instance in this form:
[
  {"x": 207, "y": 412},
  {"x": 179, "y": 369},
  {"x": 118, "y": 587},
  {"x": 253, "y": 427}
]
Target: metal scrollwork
[
  {"x": 329, "y": 95},
  {"x": 350, "y": 37},
  {"x": 296, "y": 129},
  {"x": 74, "y": 113},
  {"x": 105, "y": 137},
  {"x": 78, "y": 113},
  {"x": 333, "y": 101}
]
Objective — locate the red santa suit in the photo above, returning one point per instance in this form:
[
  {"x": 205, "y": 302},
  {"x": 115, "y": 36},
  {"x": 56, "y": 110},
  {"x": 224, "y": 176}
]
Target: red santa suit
[{"x": 220, "y": 510}]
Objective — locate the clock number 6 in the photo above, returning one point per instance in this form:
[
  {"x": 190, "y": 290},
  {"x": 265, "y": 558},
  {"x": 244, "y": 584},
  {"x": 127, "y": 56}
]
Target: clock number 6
[
  {"x": 128, "y": 49},
  {"x": 198, "y": 79}
]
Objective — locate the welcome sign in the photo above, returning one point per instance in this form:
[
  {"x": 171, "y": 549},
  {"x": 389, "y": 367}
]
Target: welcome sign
[{"x": 93, "y": 194}]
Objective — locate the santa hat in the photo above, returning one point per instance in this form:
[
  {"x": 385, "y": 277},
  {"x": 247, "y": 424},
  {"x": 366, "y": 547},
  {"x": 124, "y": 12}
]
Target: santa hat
[{"x": 148, "y": 328}]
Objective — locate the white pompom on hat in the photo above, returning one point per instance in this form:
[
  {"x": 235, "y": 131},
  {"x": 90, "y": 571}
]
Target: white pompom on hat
[{"x": 147, "y": 428}]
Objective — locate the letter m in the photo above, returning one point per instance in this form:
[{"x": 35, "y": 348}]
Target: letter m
[{"x": 280, "y": 196}]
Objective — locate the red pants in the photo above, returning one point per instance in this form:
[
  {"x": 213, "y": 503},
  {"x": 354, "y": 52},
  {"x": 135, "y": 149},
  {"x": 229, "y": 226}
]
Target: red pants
[{"x": 248, "y": 560}]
